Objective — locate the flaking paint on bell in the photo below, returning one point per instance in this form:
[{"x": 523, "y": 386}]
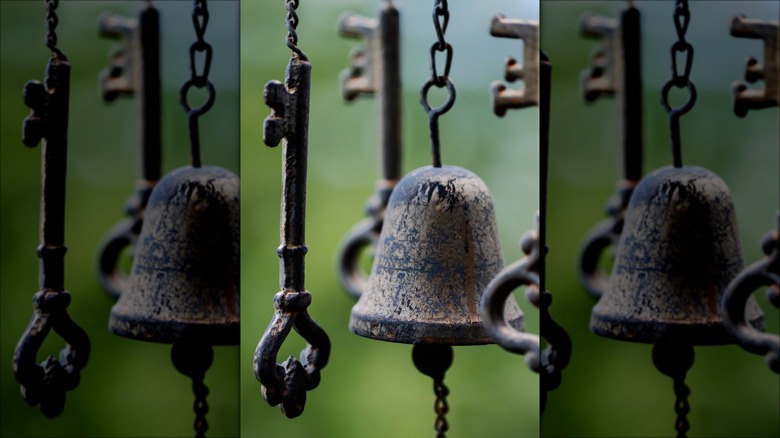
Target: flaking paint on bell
[
  {"x": 678, "y": 252},
  {"x": 438, "y": 250},
  {"x": 184, "y": 281}
]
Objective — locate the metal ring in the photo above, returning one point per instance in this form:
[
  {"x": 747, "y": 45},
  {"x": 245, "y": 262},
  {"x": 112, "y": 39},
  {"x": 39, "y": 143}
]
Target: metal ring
[
  {"x": 687, "y": 106},
  {"x": 203, "y": 108},
  {"x": 436, "y": 112}
]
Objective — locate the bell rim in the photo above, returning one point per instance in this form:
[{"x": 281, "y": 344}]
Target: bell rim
[
  {"x": 650, "y": 332},
  {"x": 167, "y": 332},
  {"x": 448, "y": 333}
]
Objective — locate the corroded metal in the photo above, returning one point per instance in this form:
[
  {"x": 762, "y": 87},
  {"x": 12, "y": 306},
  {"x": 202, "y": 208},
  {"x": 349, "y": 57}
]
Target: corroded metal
[
  {"x": 504, "y": 98},
  {"x": 46, "y": 383},
  {"x": 763, "y": 273},
  {"x": 438, "y": 250},
  {"x": 745, "y": 98},
  {"x": 615, "y": 70},
  {"x": 376, "y": 69},
  {"x": 135, "y": 70},
  {"x": 184, "y": 282},
  {"x": 286, "y": 384},
  {"x": 678, "y": 252}
]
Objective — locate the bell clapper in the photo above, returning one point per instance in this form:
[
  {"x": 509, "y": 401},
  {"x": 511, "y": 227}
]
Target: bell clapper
[
  {"x": 193, "y": 360},
  {"x": 434, "y": 360},
  {"x": 674, "y": 359}
]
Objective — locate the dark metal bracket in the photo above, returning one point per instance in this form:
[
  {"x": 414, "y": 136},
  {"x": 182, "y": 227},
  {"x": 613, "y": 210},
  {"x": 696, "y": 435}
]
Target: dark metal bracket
[
  {"x": 745, "y": 98},
  {"x": 504, "y": 98}
]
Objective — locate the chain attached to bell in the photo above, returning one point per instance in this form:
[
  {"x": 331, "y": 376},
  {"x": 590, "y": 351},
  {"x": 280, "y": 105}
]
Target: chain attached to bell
[
  {"x": 615, "y": 70},
  {"x": 536, "y": 73},
  {"x": 183, "y": 287},
  {"x": 678, "y": 251},
  {"x": 376, "y": 69},
  {"x": 46, "y": 383},
  {"x": 287, "y": 384},
  {"x": 135, "y": 70}
]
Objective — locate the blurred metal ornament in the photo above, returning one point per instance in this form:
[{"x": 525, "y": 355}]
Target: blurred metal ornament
[
  {"x": 502, "y": 97},
  {"x": 376, "y": 69},
  {"x": 135, "y": 70},
  {"x": 184, "y": 283},
  {"x": 46, "y": 383},
  {"x": 738, "y": 296},
  {"x": 745, "y": 98},
  {"x": 678, "y": 252},
  {"x": 438, "y": 250}
]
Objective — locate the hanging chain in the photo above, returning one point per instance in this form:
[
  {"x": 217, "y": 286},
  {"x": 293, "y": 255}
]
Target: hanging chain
[
  {"x": 200, "y": 19},
  {"x": 193, "y": 359},
  {"x": 434, "y": 360},
  {"x": 674, "y": 358},
  {"x": 200, "y": 407},
  {"x": 441, "y": 407},
  {"x": 292, "y": 23},
  {"x": 681, "y": 406},
  {"x": 441, "y": 18},
  {"x": 51, "y": 25},
  {"x": 682, "y": 17}
]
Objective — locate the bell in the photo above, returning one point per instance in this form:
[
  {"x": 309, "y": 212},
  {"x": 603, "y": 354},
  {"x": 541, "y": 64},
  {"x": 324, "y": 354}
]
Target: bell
[
  {"x": 437, "y": 252},
  {"x": 184, "y": 281},
  {"x": 677, "y": 254}
]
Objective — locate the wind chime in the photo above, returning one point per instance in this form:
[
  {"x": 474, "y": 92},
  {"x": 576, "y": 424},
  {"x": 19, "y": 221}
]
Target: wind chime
[
  {"x": 287, "y": 384},
  {"x": 765, "y": 272},
  {"x": 134, "y": 71},
  {"x": 46, "y": 383},
  {"x": 678, "y": 251},
  {"x": 536, "y": 73},
  {"x": 183, "y": 287},
  {"x": 434, "y": 231}
]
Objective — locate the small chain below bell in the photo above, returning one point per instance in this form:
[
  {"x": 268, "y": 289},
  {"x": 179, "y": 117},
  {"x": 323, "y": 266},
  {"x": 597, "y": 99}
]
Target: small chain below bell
[
  {"x": 184, "y": 282},
  {"x": 677, "y": 254},
  {"x": 437, "y": 252}
]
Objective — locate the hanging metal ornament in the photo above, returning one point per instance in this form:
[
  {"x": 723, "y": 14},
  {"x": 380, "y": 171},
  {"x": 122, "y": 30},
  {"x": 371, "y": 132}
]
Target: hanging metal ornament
[
  {"x": 745, "y": 98},
  {"x": 678, "y": 251},
  {"x": 286, "y": 384},
  {"x": 615, "y": 70},
  {"x": 46, "y": 383},
  {"x": 765, "y": 272},
  {"x": 134, "y": 71},
  {"x": 183, "y": 287},
  {"x": 437, "y": 251},
  {"x": 536, "y": 73},
  {"x": 376, "y": 69}
]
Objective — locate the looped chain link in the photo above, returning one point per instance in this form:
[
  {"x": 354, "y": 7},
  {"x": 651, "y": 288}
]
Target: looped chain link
[
  {"x": 292, "y": 24},
  {"x": 442, "y": 407},
  {"x": 682, "y": 17},
  {"x": 441, "y": 18},
  {"x": 200, "y": 20}
]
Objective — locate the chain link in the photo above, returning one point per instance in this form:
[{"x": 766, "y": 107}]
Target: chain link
[
  {"x": 51, "y": 25},
  {"x": 681, "y": 407},
  {"x": 441, "y": 18},
  {"x": 442, "y": 407},
  {"x": 200, "y": 407},
  {"x": 682, "y": 17},
  {"x": 292, "y": 24}
]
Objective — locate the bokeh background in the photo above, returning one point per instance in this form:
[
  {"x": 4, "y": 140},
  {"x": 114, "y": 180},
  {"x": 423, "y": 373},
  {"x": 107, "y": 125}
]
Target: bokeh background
[
  {"x": 611, "y": 388},
  {"x": 371, "y": 388},
  {"x": 129, "y": 388}
]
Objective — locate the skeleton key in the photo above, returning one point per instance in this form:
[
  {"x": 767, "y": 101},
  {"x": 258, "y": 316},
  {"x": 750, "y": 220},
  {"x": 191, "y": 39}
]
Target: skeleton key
[
  {"x": 286, "y": 384},
  {"x": 135, "y": 70},
  {"x": 745, "y": 98},
  {"x": 376, "y": 69},
  {"x": 615, "y": 70},
  {"x": 46, "y": 383},
  {"x": 505, "y": 98}
]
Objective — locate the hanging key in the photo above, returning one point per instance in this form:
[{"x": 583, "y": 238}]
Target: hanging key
[
  {"x": 504, "y": 98},
  {"x": 134, "y": 71},
  {"x": 287, "y": 384},
  {"x": 46, "y": 383},
  {"x": 745, "y": 98},
  {"x": 615, "y": 71},
  {"x": 375, "y": 69}
]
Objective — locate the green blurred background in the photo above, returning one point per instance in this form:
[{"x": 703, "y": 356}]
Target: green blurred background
[
  {"x": 611, "y": 388},
  {"x": 128, "y": 388},
  {"x": 371, "y": 388}
]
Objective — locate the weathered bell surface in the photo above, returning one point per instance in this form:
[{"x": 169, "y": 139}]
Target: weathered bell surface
[
  {"x": 184, "y": 282},
  {"x": 438, "y": 250},
  {"x": 677, "y": 254}
]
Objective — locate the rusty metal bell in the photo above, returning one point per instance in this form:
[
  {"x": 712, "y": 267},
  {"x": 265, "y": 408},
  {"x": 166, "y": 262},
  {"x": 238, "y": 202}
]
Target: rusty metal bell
[
  {"x": 438, "y": 250},
  {"x": 677, "y": 254},
  {"x": 184, "y": 282}
]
